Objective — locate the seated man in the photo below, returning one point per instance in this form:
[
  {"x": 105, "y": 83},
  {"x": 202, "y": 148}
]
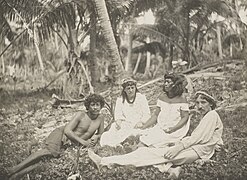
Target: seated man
[
  {"x": 201, "y": 144},
  {"x": 81, "y": 130}
]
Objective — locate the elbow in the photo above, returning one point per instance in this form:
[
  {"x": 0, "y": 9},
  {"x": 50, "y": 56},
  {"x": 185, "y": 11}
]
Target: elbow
[
  {"x": 67, "y": 132},
  {"x": 185, "y": 117}
]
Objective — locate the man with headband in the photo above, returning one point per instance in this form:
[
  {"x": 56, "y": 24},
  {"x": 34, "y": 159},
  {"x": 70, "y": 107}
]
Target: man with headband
[{"x": 201, "y": 144}]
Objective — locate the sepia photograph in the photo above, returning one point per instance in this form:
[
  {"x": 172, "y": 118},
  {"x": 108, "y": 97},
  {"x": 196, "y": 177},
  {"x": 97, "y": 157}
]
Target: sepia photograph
[{"x": 123, "y": 89}]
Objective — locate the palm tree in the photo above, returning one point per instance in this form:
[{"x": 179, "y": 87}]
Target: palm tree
[{"x": 179, "y": 23}]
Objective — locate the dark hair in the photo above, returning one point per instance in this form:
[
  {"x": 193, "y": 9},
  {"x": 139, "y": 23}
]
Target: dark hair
[
  {"x": 94, "y": 98},
  {"x": 177, "y": 89},
  {"x": 205, "y": 95},
  {"x": 124, "y": 95}
]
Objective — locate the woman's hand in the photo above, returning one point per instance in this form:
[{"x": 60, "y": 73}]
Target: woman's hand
[
  {"x": 169, "y": 130},
  {"x": 118, "y": 123},
  {"x": 173, "y": 151},
  {"x": 139, "y": 125}
]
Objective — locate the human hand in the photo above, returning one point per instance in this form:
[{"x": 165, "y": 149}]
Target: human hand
[
  {"x": 173, "y": 151},
  {"x": 168, "y": 130},
  {"x": 118, "y": 124},
  {"x": 86, "y": 143},
  {"x": 218, "y": 147},
  {"x": 94, "y": 140},
  {"x": 139, "y": 125}
]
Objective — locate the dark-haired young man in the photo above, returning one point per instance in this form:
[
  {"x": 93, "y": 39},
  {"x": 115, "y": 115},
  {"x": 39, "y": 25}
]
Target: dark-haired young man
[{"x": 84, "y": 129}]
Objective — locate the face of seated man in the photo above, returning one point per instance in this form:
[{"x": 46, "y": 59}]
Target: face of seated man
[{"x": 202, "y": 105}]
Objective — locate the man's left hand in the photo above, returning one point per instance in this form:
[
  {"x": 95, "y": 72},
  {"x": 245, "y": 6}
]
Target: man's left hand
[{"x": 173, "y": 151}]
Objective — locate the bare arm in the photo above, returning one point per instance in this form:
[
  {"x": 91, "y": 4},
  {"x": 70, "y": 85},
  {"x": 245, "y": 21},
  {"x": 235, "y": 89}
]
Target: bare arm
[
  {"x": 100, "y": 130},
  {"x": 153, "y": 119},
  {"x": 68, "y": 131},
  {"x": 184, "y": 118},
  {"x": 202, "y": 134}
]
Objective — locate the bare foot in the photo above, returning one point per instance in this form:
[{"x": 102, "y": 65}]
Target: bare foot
[
  {"x": 174, "y": 172},
  {"x": 95, "y": 158}
]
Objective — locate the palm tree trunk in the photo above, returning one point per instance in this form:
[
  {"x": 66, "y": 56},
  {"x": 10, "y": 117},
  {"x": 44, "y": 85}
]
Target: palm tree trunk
[
  {"x": 230, "y": 48},
  {"x": 37, "y": 50},
  {"x": 3, "y": 63},
  {"x": 187, "y": 41},
  {"x": 92, "y": 52},
  {"x": 148, "y": 62},
  {"x": 129, "y": 56},
  {"x": 219, "y": 41},
  {"x": 111, "y": 42},
  {"x": 137, "y": 62}
]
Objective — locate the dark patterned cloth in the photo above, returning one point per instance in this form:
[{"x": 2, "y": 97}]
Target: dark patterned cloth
[{"x": 55, "y": 140}]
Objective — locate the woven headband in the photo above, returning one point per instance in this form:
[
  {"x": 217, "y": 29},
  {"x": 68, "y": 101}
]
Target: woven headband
[
  {"x": 205, "y": 94},
  {"x": 124, "y": 81}
]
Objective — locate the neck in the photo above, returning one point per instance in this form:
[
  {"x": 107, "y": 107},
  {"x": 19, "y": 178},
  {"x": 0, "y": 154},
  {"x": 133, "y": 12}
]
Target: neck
[
  {"x": 131, "y": 100},
  {"x": 170, "y": 94},
  {"x": 92, "y": 116}
]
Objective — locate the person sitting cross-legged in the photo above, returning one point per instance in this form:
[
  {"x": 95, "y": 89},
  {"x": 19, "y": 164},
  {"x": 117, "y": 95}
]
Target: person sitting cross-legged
[
  {"x": 84, "y": 129},
  {"x": 171, "y": 116},
  {"x": 131, "y": 112},
  {"x": 201, "y": 144}
]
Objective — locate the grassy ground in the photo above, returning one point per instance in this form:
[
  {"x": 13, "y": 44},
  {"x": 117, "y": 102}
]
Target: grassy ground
[{"x": 25, "y": 119}]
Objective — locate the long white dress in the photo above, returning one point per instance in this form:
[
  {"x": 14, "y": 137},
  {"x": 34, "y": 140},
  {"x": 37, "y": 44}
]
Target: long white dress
[
  {"x": 168, "y": 117},
  {"x": 131, "y": 114},
  {"x": 200, "y": 145}
]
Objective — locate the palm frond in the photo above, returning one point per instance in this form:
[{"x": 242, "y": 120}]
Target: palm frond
[{"x": 151, "y": 31}]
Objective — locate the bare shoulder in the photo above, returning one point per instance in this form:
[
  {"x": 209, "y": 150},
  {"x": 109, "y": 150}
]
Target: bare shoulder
[
  {"x": 163, "y": 97},
  {"x": 179, "y": 99},
  {"x": 80, "y": 114},
  {"x": 102, "y": 116},
  {"x": 182, "y": 99}
]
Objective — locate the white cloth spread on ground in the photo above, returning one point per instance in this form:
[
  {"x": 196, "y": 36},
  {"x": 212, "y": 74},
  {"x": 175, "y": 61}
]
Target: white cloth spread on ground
[
  {"x": 168, "y": 117},
  {"x": 131, "y": 114},
  {"x": 200, "y": 144}
]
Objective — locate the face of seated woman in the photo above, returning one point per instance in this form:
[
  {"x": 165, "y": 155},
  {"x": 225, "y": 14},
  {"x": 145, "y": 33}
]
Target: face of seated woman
[
  {"x": 168, "y": 84},
  {"x": 130, "y": 91}
]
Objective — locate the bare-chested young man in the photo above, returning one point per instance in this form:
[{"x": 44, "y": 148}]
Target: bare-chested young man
[{"x": 81, "y": 130}]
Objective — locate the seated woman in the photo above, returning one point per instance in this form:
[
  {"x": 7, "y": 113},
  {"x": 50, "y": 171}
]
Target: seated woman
[
  {"x": 201, "y": 144},
  {"x": 131, "y": 112},
  {"x": 171, "y": 116}
]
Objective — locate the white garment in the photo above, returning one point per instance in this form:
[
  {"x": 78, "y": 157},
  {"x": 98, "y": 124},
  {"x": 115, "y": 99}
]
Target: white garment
[
  {"x": 200, "y": 144},
  {"x": 206, "y": 135},
  {"x": 131, "y": 114},
  {"x": 146, "y": 156},
  {"x": 168, "y": 117}
]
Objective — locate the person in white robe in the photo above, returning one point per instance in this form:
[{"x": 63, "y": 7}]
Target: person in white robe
[
  {"x": 171, "y": 116},
  {"x": 201, "y": 144},
  {"x": 131, "y": 112}
]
